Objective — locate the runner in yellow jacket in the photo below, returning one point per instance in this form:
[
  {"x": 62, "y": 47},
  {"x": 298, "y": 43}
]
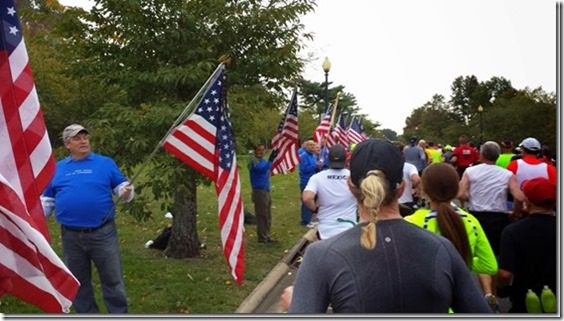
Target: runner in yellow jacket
[{"x": 483, "y": 258}]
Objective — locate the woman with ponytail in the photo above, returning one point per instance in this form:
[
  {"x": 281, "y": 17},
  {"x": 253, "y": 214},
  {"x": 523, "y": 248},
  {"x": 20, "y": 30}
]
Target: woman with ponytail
[
  {"x": 440, "y": 186},
  {"x": 384, "y": 264}
]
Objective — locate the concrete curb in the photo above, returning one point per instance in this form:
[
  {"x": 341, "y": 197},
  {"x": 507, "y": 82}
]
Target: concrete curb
[{"x": 261, "y": 298}]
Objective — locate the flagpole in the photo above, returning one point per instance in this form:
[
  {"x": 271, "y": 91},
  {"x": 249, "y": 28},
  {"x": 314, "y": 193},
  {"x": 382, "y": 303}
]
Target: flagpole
[
  {"x": 175, "y": 123},
  {"x": 334, "y": 109},
  {"x": 352, "y": 120}
]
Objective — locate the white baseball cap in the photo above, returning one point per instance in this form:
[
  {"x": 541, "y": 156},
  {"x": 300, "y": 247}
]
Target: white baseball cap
[
  {"x": 73, "y": 130},
  {"x": 531, "y": 144}
]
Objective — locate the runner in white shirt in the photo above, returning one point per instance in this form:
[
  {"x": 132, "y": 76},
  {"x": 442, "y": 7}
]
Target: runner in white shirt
[
  {"x": 335, "y": 205},
  {"x": 411, "y": 180}
]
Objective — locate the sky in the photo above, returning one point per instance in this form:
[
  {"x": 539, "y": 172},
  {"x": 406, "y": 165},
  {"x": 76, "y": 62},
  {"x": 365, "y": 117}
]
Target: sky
[{"x": 393, "y": 56}]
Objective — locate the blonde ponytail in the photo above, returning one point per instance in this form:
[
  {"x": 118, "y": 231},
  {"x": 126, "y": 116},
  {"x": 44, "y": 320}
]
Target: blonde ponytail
[{"x": 371, "y": 196}]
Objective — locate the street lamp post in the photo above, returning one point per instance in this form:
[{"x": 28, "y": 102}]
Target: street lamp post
[
  {"x": 480, "y": 112},
  {"x": 326, "y": 67}
]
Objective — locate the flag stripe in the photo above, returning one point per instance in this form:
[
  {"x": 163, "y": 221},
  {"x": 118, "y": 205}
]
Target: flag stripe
[
  {"x": 29, "y": 108},
  {"x": 18, "y": 60}
]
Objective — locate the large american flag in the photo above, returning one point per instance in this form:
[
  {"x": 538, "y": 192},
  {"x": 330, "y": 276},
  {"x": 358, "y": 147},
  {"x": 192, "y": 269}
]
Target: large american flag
[
  {"x": 356, "y": 132},
  {"x": 26, "y": 156},
  {"x": 204, "y": 141},
  {"x": 29, "y": 268},
  {"x": 286, "y": 140}
]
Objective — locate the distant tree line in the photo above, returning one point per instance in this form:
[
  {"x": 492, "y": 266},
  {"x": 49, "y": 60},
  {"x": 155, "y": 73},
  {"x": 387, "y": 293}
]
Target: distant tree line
[{"x": 507, "y": 114}]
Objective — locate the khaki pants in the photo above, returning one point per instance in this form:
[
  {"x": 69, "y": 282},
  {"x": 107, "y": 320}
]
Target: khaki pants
[{"x": 263, "y": 202}]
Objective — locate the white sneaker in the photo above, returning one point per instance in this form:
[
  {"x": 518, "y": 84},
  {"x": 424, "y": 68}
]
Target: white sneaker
[
  {"x": 168, "y": 215},
  {"x": 149, "y": 243}
]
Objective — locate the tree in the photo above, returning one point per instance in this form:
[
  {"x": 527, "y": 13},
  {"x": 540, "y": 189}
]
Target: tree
[
  {"x": 434, "y": 121},
  {"x": 529, "y": 113},
  {"x": 313, "y": 98},
  {"x": 389, "y": 134},
  {"x": 159, "y": 53}
]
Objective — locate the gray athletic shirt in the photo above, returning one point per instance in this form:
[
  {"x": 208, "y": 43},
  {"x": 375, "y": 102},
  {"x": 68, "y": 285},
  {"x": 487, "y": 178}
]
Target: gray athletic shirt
[{"x": 411, "y": 270}]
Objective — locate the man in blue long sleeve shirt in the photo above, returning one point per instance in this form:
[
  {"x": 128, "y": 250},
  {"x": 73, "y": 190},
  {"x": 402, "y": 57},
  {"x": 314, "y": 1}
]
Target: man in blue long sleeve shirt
[
  {"x": 259, "y": 171},
  {"x": 309, "y": 165}
]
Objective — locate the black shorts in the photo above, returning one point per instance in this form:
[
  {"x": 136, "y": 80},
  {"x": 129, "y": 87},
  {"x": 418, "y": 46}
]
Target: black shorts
[{"x": 493, "y": 224}]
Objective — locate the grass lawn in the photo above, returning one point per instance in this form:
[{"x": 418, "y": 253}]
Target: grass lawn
[{"x": 157, "y": 284}]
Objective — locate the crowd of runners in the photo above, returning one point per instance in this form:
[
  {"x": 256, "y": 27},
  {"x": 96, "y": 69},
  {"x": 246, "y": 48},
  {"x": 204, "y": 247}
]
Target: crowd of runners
[{"x": 380, "y": 207}]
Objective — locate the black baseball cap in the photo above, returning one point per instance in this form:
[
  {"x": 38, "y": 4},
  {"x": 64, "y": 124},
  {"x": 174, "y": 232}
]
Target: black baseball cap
[
  {"x": 378, "y": 154},
  {"x": 337, "y": 156}
]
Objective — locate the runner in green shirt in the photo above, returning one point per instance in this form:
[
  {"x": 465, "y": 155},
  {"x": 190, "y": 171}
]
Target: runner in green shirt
[{"x": 506, "y": 153}]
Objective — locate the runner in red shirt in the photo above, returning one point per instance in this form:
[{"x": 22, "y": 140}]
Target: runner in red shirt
[
  {"x": 463, "y": 155},
  {"x": 528, "y": 167}
]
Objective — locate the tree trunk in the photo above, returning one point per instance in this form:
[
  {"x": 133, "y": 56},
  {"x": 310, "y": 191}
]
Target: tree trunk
[{"x": 184, "y": 240}]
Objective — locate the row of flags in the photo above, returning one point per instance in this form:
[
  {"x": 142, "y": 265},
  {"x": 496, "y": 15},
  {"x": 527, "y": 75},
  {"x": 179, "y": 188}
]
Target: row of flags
[
  {"x": 340, "y": 133},
  {"x": 29, "y": 268},
  {"x": 286, "y": 140},
  {"x": 346, "y": 135}
]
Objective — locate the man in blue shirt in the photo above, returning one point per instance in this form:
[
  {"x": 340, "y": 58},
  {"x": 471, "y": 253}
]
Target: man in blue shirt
[
  {"x": 309, "y": 165},
  {"x": 80, "y": 193},
  {"x": 259, "y": 171}
]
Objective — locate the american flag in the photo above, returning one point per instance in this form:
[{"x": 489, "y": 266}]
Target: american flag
[
  {"x": 204, "y": 141},
  {"x": 26, "y": 156},
  {"x": 286, "y": 140},
  {"x": 29, "y": 268},
  {"x": 332, "y": 138},
  {"x": 356, "y": 133},
  {"x": 340, "y": 131},
  {"x": 324, "y": 125}
]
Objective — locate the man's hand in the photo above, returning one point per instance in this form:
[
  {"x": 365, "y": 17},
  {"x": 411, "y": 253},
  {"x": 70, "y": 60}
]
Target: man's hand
[
  {"x": 273, "y": 155},
  {"x": 126, "y": 192}
]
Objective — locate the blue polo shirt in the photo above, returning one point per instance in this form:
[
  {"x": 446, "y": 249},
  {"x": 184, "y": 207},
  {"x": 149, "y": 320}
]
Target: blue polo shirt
[
  {"x": 308, "y": 167},
  {"x": 82, "y": 190},
  {"x": 259, "y": 171}
]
